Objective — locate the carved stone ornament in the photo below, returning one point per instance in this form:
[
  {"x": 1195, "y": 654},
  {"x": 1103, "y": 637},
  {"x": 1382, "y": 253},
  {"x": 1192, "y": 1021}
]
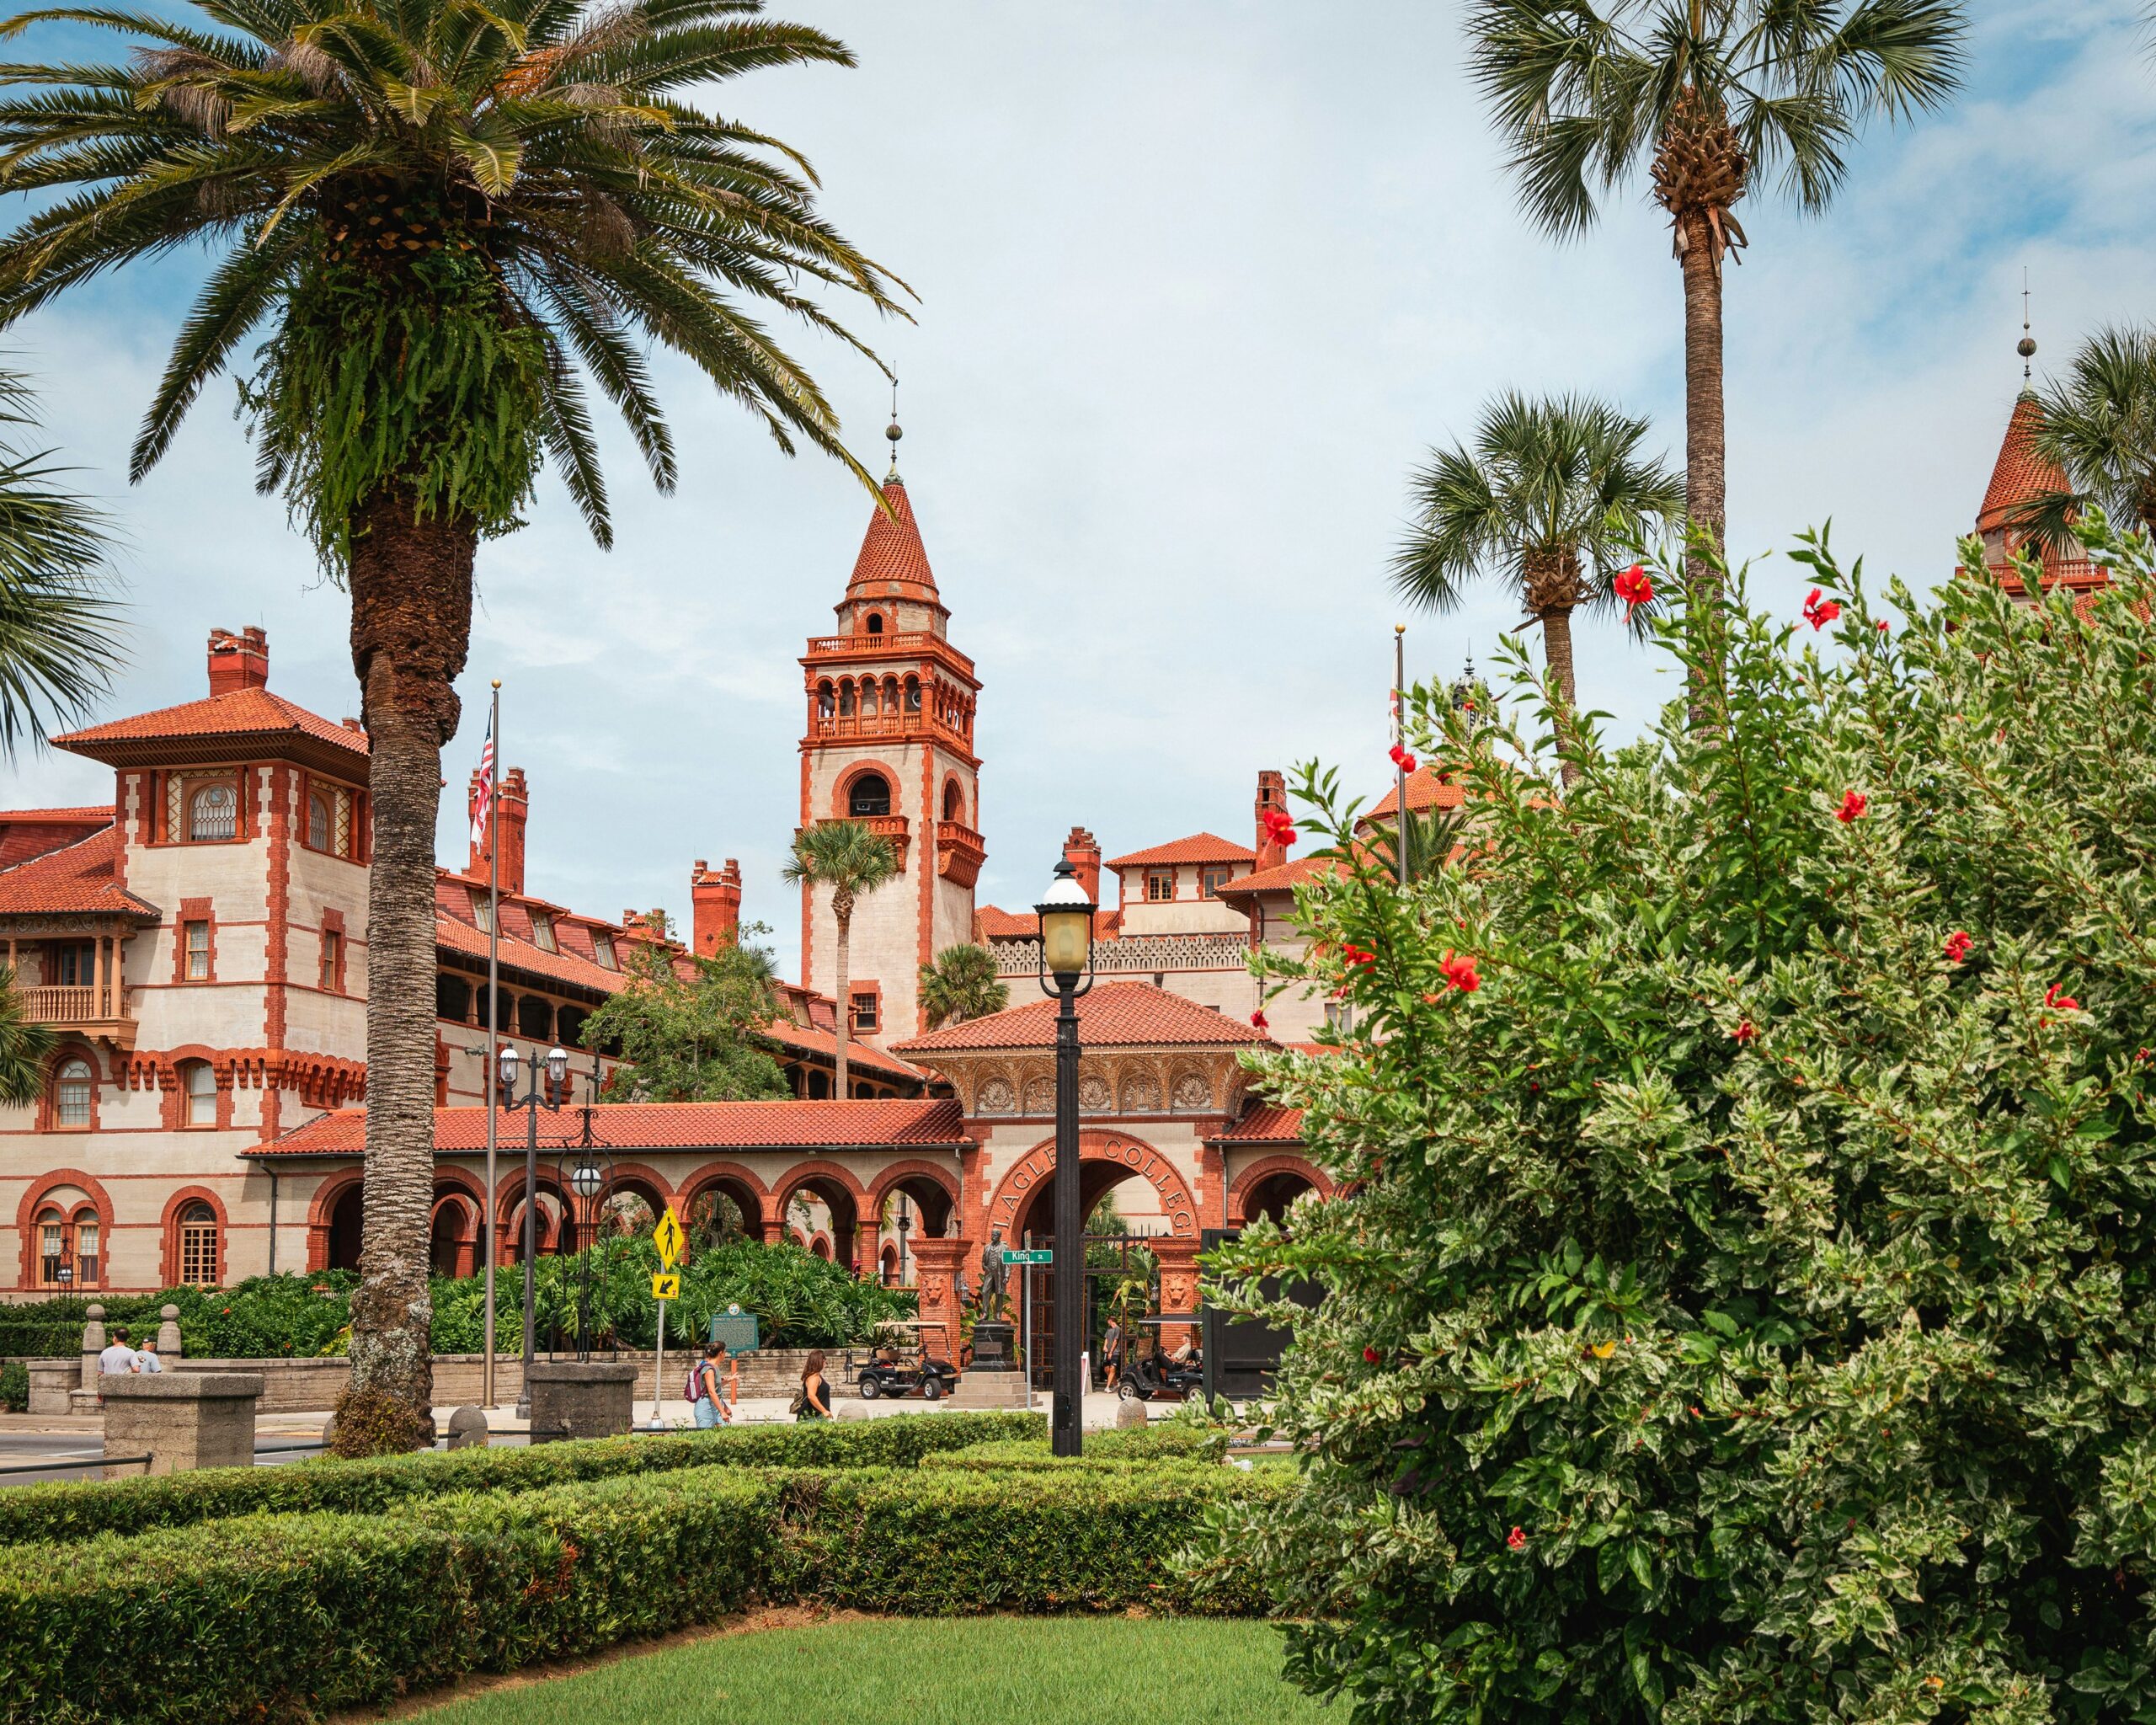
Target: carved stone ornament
[
  {"x": 1192, "y": 1094},
  {"x": 1093, "y": 1096},
  {"x": 996, "y": 1096}
]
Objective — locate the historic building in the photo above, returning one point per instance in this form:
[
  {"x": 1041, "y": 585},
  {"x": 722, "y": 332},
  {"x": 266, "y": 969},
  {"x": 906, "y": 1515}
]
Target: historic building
[{"x": 199, "y": 945}]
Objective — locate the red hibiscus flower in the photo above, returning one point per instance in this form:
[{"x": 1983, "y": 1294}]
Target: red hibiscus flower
[
  {"x": 1459, "y": 972},
  {"x": 1745, "y": 1030},
  {"x": 1258, "y": 1018},
  {"x": 1957, "y": 946},
  {"x": 1819, "y": 612},
  {"x": 1881, "y": 625},
  {"x": 1516, "y": 1539},
  {"x": 1853, "y": 803},
  {"x": 2056, "y": 995},
  {"x": 1371, "y": 1356},
  {"x": 1634, "y": 589}
]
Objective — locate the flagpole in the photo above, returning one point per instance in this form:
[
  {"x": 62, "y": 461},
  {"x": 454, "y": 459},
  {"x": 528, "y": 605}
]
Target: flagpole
[
  {"x": 493, "y": 999},
  {"x": 1400, "y": 737}
]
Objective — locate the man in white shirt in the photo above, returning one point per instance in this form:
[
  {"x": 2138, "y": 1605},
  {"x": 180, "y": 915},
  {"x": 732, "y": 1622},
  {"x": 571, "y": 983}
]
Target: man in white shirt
[
  {"x": 118, "y": 1359},
  {"x": 146, "y": 1358}
]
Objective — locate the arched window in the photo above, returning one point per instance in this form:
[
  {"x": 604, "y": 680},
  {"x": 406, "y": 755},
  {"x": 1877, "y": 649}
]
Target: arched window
[
  {"x": 320, "y": 828},
  {"x": 890, "y": 694},
  {"x": 53, "y": 1247},
  {"x": 198, "y": 1094},
  {"x": 954, "y": 807},
  {"x": 875, "y": 623},
  {"x": 870, "y": 796},
  {"x": 71, "y": 1094},
  {"x": 913, "y": 694},
  {"x": 198, "y": 1244},
  {"x": 89, "y": 1261},
  {"x": 869, "y": 705},
  {"x": 212, "y": 813},
  {"x": 826, "y": 699},
  {"x": 845, "y": 700}
]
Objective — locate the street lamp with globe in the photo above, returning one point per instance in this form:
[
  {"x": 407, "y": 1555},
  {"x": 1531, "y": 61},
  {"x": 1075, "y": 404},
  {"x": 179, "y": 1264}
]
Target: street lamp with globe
[
  {"x": 556, "y": 1068},
  {"x": 1066, "y": 966}
]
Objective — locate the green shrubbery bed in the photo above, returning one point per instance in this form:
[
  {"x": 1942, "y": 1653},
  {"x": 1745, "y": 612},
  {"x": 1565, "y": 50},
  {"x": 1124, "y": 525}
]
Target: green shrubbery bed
[
  {"x": 60, "y": 1513},
  {"x": 283, "y": 1616}
]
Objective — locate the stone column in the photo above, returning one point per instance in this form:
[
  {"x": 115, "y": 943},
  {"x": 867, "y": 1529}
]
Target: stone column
[
  {"x": 936, "y": 1275},
  {"x": 774, "y": 1229},
  {"x": 92, "y": 1346},
  {"x": 1178, "y": 1259},
  {"x": 182, "y": 1420},
  {"x": 168, "y": 1346}
]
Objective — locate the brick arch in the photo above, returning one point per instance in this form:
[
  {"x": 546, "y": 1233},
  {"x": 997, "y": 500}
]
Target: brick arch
[
  {"x": 1098, "y": 1149},
  {"x": 320, "y": 1210},
  {"x": 880, "y": 1188},
  {"x": 824, "y": 1180},
  {"x": 509, "y": 1192},
  {"x": 952, "y": 781},
  {"x": 26, "y": 1214},
  {"x": 1264, "y": 1168},
  {"x": 842, "y": 786},
  {"x": 168, "y": 1232},
  {"x": 722, "y": 1175},
  {"x": 646, "y": 1182}
]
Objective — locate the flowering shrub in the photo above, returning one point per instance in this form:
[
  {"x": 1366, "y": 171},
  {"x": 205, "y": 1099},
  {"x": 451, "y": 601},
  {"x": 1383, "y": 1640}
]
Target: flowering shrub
[{"x": 1739, "y": 1308}]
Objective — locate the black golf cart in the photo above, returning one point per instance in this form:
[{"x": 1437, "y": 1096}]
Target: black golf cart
[
  {"x": 899, "y": 1364},
  {"x": 1148, "y": 1371}
]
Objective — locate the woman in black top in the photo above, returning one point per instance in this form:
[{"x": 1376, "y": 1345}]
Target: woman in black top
[{"x": 815, "y": 1400}]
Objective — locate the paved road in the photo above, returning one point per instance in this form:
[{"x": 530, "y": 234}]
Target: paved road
[{"x": 87, "y": 1448}]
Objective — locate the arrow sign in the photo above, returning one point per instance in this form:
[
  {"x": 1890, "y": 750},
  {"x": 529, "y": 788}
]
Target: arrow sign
[
  {"x": 667, "y": 1238},
  {"x": 666, "y": 1286}
]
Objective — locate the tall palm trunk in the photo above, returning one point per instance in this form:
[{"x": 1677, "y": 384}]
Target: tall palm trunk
[
  {"x": 842, "y": 915},
  {"x": 411, "y": 583},
  {"x": 1550, "y": 580},
  {"x": 1705, "y": 440},
  {"x": 1557, "y": 653}
]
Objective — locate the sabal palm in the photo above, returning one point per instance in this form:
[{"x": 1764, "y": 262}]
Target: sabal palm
[
  {"x": 849, "y": 861},
  {"x": 961, "y": 984},
  {"x": 446, "y": 220},
  {"x": 59, "y": 642},
  {"x": 2098, "y": 425},
  {"x": 26, "y": 1047},
  {"x": 1705, "y": 96},
  {"x": 1550, "y": 495}
]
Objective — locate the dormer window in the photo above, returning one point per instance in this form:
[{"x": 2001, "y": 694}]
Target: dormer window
[
  {"x": 602, "y": 949},
  {"x": 542, "y": 932},
  {"x": 483, "y": 913},
  {"x": 1160, "y": 885}
]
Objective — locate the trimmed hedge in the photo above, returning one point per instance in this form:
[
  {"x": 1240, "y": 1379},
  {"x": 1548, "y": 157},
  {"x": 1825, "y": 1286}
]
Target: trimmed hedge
[
  {"x": 61, "y": 1512},
  {"x": 1136, "y": 1446},
  {"x": 308, "y": 1613}
]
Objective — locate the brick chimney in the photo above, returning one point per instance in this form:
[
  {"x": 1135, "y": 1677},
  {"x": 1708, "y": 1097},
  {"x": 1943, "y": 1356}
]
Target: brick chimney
[
  {"x": 1082, "y": 850},
  {"x": 512, "y": 808},
  {"x": 715, "y": 902},
  {"x": 240, "y": 661},
  {"x": 1272, "y": 794}
]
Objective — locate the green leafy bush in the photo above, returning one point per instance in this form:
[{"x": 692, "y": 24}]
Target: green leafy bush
[
  {"x": 305, "y": 1614},
  {"x": 14, "y": 1387},
  {"x": 1739, "y": 1305},
  {"x": 66, "y": 1511},
  {"x": 1131, "y": 1447}
]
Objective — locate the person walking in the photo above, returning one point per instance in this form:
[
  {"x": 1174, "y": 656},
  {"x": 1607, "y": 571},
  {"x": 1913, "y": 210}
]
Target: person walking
[
  {"x": 729, "y": 1379},
  {"x": 814, "y": 1401},
  {"x": 146, "y": 1357},
  {"x": 710, "y": 1406},
  {"x": 119, "y": 1359}
]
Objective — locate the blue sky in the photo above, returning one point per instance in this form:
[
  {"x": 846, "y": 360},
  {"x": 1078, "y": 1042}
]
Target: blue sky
[{"x": 1200, "y": 284}]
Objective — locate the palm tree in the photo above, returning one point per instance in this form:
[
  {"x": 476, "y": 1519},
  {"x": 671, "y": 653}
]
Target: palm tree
[
  {"x": 442, "y": 218},
  {"x": 847, "y": 857},
  {"x": 1550, "y": 495},
  {"x": 58, "y": 632},
  {"x": 2098, "y": 425},
  {"x": 961, "y": 984},
  {"x": 25, "y": 1047},
  {"x": 1706, "y": 95}
]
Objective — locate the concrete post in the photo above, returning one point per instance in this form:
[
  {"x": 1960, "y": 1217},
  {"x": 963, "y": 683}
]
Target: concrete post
[
  {"x": 92, "y": 1346},
  {"x": 183, "y": 1420},
  {"x": 169, "y": 1335},
  {"x": 592, "y": 1398}
]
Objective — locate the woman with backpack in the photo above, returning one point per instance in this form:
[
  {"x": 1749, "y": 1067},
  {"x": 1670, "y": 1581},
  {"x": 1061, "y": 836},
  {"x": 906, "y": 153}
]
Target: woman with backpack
[
  {"x": 703, "y": 1390},
  {"x": 813, "y": 1399}
]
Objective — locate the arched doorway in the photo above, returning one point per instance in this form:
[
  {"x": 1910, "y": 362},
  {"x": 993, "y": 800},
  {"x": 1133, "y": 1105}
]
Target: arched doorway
[
  {"x": 344, "y": 1224},
  {"x": 822, "y": 1198},
  {"x": 453, "y": 1240},
  {"x": 722, "y": 1202},
  {"x": 1271, "y": 1196}
]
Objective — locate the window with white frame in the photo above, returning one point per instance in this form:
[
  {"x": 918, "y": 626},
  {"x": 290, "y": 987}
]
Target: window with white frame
[
  {"x": 198, "y": 1094},
  {"x": 71, "y": 1096}
]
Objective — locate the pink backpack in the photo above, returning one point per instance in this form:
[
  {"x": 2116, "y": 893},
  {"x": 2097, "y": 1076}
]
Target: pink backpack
[{"x": 693, "y": 1390}]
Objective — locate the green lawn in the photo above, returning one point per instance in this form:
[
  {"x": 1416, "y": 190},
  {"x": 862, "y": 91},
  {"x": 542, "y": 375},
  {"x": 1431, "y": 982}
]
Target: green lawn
[{"x": 927, "y": 1671}]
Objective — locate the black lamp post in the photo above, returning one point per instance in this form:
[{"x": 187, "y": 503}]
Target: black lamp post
[
  {"x": 557, "y": 1065},
  {"x": 1066, "y": 973},
  {"x": 905, "y": 1227}
]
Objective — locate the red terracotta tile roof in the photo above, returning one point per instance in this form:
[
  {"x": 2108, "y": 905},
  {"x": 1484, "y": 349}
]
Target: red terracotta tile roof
[
  {"x": 2019, "y": 477},
  {"x": 664, "y": 1125},
  {"x": 990, "y": 923},
  {"x": 26, "y": 833},
  {"x": 76, "y": 880},
  {"x": 893, "y": 561},
  {"x": 1423, "y": 792},
  {"x": 1198, "y": 847},
  {"x": 1265, "y": 1123},
  {"x": 1284, "y": 877},
  {"x": 454, "y": 934},
  {"x": 86, "y": 814},
  {"x": 816, "y": 1040},
  {"x": 1114, "y": 1015},
  {"x": 251, "y": 716}
]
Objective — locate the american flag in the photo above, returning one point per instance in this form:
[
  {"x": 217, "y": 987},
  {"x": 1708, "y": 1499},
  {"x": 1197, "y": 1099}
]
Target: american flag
[{"x": 483, "y": 794}]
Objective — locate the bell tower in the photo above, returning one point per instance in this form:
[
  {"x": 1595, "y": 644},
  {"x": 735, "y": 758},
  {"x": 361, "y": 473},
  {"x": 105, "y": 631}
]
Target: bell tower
[{"x": 889, "y": 743}]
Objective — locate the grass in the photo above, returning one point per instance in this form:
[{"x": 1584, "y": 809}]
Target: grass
[{"x": 925, "y": 1671}]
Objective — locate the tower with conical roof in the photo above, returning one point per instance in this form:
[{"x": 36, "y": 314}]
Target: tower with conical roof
[
  {"x": 890, "y": 742},
  {"x": 2021, "y": 475}
]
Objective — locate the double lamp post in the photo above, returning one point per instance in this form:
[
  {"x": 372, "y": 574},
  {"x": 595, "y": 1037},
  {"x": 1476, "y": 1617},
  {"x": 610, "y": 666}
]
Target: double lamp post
[{"x": 1066, "y": 965}]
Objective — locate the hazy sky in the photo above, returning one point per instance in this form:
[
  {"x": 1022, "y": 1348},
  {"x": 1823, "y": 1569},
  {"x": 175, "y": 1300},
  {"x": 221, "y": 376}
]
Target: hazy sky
[{"x": 1200, "y": 284}]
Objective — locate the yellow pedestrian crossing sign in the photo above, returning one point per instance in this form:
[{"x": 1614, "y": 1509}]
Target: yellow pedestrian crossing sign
[
  {"x": 667, "y": 1237},
  {"x": 666, "y": 1286}
]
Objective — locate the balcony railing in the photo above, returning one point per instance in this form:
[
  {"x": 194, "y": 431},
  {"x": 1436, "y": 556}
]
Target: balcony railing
[
  {"x": 959, "y": 852},
  {"x": 892, "y": 827},
  {"x": 848, "y": 726},
  {"x": 78, "y": 1006}
]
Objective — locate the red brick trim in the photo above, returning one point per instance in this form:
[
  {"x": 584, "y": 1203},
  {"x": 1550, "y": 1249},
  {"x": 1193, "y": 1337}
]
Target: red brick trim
[
  {"x": 26, "y": 1216},
  {"x": 194, "y": 910},
  {"x": 880, "y": 1188},
  {"x": 1096, "y": 1145},
  {"x": 277, "y": 943},
  {"x": 646, "y": 1182},
  {"x": 868, "y": 985},
  {"x": 332, "y": 922},
  {"x": 168, "y": 1230},
  {"x": 842, "y": 788},
  {"x": 1263, "y": 1168},
  {"x": 722, "y": 1175},
  {"x": 319, "y": 1209}
]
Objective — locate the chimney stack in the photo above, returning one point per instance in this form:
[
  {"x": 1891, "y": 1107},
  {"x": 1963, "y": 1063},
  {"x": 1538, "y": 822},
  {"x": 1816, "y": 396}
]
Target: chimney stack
[
  {"x": 1272, "y": 794},
  {"x": 512, "y": 808},
  {"x": 1082, "y": 850},
  {"x": 240, "y": 661},
  {"x": 715, "y": 902}
]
